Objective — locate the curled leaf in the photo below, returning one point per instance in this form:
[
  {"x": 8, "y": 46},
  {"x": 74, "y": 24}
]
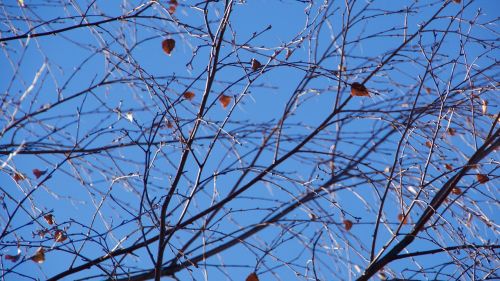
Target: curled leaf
[
  {"x": 482, "y": 178},
  {"x": 38, "y": 173},
  {"x": 255, "y": 64},
  {"x": 168, "y": 45},
  {"x": 39, "y": 256},
  {"x": 188, "y": 95},
  {"x": 19, "y": 177},
  {"x": 59, "y": 235},
  {"x": 347, "y": 224},
  {"x": 359, "y": 90},
  {"x": 252, "y": 277},
  {"x": 224, "y": 100},
  {"x": 49, "y": 219}
]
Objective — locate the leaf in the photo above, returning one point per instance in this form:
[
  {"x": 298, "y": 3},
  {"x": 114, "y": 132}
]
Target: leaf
[
  {"x": 129, "y": 116},
  {"x": 428, "y": 144},
  {"x": 484, "y": 106},
  {"x": 448, "y": 167},
  {"x": 255, "y": 64},
  {"x": 451, "y": 131},
  {"x": 402, "y": 219},
  {"x": 173, "y": 6},
  {"x": 359, "y": 90},
  {"x": 169, "y": 124},
  {"x": 482, "y": 178},
  {"x": 168, "y": 46},
  {"x": 252, "y": 277},
  {"x": 427, "y": 90},
  {"x": 38, "y": 173},
  {"x": 49, "y": 219},
  {"x": 39, "y": 256},
  {"x": 347, "y": 224},
  {"x": 457, "y": 1},
  {"x": 456, "y": 191},
  {"x": 19, "y": 177},
  {"x": 14, "y": 258},
  {"x": 59, "y": 235},
  {"x": 188, "y": 95},
  {"x": 225, "y": 100}
]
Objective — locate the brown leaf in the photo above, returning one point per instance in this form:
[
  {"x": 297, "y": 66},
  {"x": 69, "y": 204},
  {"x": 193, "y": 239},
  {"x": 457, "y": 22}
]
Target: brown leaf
[
  {"x": 428, "y": 144},
  {"x": 49, "y": 219},
  {"x": 359, "y": 90},
  {"x": 401, "y": 218},
  {"x": 448, "y": 167},
  {"x": 19, "y": 177},
  {"x": 14, "y": 258},
  {"x": 59, "y": 235},
  {"x": 451, "y": 131},
  {"x": 427, "y": 90},
  {"x": 39, "y": 256},
  {"x": 224, "y": 100},
  {"x": 482, "y": 178},
  {"x": 255, "y": 64},
  {"x": 168, "y": 45},
  {"x": 169, "y": 124},
  {"x": 38, "y": 173},
  {"x": 347, "y": 224},
  {"x": 457, "y": 1},
  {"x": 456, "y": 191},
  {"x": 252, "y": 277},
  {"x": 189, "y": 95}
]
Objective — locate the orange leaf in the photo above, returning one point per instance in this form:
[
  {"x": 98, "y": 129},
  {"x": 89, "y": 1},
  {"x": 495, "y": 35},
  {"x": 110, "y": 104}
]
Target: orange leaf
[
  {"x": 189, "y": 95},
  {"x": 359, "y": 90},
  {"x": 448, "y": 167},
  {"x": 401, "y": 218},
  {"x": 49, "y": 219},
  {"x": 38, "y": 173},
  {"x": 168, "y": 45},
  {"x": 225, "y": 100},
  {"x": 456, "y": 191},
  {"x": 252, "y": 277},
  {"x": 59, "y": 235},
  {"x": 255, "y": 64},
  {"x": 347, "y": 224},
  {"x": 39, "y": 256},
  {"x": 19, "y": 177},
  {"x": 428, "y": 144},
  {"x": 482, "y": 178}
]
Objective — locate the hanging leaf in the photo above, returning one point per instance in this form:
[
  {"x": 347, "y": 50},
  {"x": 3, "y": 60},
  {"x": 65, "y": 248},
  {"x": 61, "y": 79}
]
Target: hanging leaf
[
  {"x": 255, "y": 64},
  {"x": 39, "y": 256},
  {"x": 168, "y": 46},
  {"x": 59, "y": 235},
  {"x": 225, "y": 100},
  {"x": 19, "y": 177},
  {"x": 49, "y": 219},
  {"x": 456, "y": 191},
  {"x": 14, "y": 258},
  {"x": 427, "y": 90},
  {"x": 402, "y": 219},
  {"x": 484, "y": 106},
  {"x": 457, "y": 1},
  {"x": 448, "y": 167},
  {"x": 347, "y": 224},
  {"x": 359, "y": 90},
  {"x": 428, "y": 144},
  {"x": 38, "y": 173},
  {"x": 188, "y": 95},
  {"x": 482, "y": 178},
  {"x": 451, "y": 131},
  {"x": 252, "y": 277},
  {"x": 173, "y": 6}
]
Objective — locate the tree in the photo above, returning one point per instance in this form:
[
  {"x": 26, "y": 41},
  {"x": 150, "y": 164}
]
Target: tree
[{"x": 271, "y": 140}]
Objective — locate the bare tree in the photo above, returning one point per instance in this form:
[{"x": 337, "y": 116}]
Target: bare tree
[{"x": 232, "y": 139}]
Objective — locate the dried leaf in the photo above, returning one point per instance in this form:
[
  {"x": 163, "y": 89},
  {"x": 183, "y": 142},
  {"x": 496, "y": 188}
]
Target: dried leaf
[
  {"x": 168, "y": 46},
  {"x": 255, "y": 64},
  {"x": 359, "y": 90},
  {"x": 39, "y": 256},
  {"x": 402, "y": 219},
  {"x": 448, "y": 167},
  {"x": 169, "y": 124},
  {"x": 173, "y": 6},
  {"x": 252, "y": 277},
  {"x": 457, "y": 1},
  {"x": 38, "y": 173},
  {"x": 189, "y": 95},
  {"x": 482, "y": 178},
  {"x": 288, "y": 54},
  {"x": 347, "y": 224},
  {"x": 14, "y": 258},
  {"x": 225, "y": 100},
  {"x": 427, "y": 90},
  {"x": 484, "y": 106},
  {"x": 19, "y": 177},
  {"x": 59, "y": 235},
  {"x": 456, "y": 191},
  {"x": 451, "y": 131},
  {"x": 49, "y": 219},
  {"x": 428, "y": 144}
]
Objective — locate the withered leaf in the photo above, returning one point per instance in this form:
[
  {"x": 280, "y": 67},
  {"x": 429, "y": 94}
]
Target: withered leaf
[
  {"x": 482, "y": 178},
  {"x": 347, "y": 224},
  {"x": 255, "y": 64},
  {"x": 456, "y": 191},
  {"x": 225, "y": 100},
  {"x": 359, "y": 90},
  {"x": 19, "y": 177},
  {"x": 402, "y": 219},
  {"x": 49, "y": 218},
  {"x": 451, "y": 131},
  {"x": 252, "y": 277},
  {"x": 188, "y": 95},
  {"x": 59, "y": 235},
  {"x": 168, "y": 45},
  {"x": 39, "y": 256},
  {"x": 448, "y": 167},
  {"x": 38, "y": 173}
]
